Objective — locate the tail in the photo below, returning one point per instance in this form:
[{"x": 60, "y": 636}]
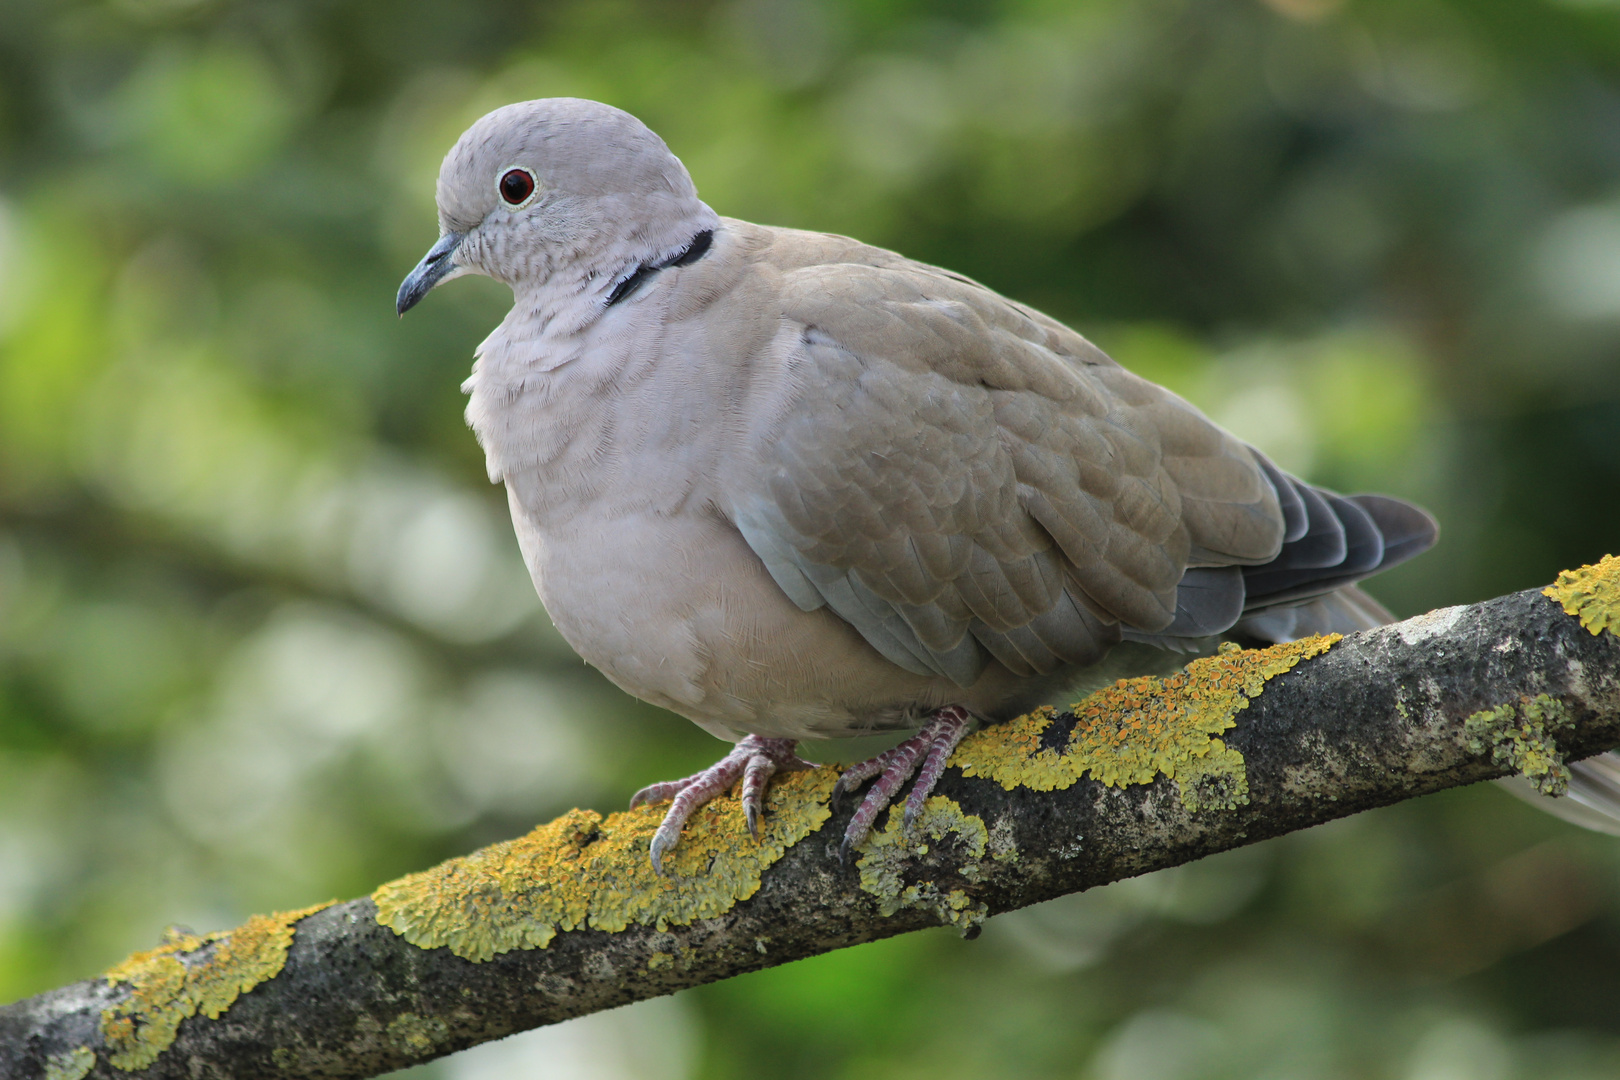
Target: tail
[
  {"x": 1593, "y": 800},
  {"x": 1330, "y": 542},
  {"x": 1304, "y": 591}
]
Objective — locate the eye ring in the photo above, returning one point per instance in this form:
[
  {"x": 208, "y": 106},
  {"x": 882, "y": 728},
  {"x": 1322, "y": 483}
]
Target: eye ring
[{"x": 516, "y": 186}]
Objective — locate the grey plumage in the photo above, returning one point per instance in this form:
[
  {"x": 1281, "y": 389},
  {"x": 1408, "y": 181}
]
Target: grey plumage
[{"x": 790, "y": 485}]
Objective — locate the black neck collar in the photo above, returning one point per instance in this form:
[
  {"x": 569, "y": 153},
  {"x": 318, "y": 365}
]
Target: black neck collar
[{"x": 691, "y": 253}]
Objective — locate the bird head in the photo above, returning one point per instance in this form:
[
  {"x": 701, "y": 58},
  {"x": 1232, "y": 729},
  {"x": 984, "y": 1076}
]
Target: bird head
[{"x": 556, "y": 182}]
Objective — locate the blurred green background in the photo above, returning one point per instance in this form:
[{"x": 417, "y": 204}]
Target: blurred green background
[{"x": 265, "y": 637}]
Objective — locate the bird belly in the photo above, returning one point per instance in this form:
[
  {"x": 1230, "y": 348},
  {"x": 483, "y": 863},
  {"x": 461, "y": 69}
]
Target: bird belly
[{"x": 678, "y": 611}]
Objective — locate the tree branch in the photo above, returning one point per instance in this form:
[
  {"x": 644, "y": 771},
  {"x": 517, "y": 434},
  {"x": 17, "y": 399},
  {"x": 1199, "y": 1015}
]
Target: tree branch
[{"x": 569, "y": 921}]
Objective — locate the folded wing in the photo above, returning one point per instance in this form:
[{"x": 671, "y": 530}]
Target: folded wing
[{"x": 965, "y": 481}]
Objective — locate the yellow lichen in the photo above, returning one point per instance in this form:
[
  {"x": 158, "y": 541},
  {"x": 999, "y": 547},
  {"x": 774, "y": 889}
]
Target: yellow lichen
[
  {"x": 165, "y": 988},
  {"x": 1591, "y": 594},
  {"x": 1138, "y": 729},
  {"x": 582, "y": 870},
  {"x": 70, "y": 1064},
  {"x": 416, "y": 1035},
  {"x": 888, "y": 858},
  {"x": 660, "y": 959},
  {"x": 1520, "y": 737}
]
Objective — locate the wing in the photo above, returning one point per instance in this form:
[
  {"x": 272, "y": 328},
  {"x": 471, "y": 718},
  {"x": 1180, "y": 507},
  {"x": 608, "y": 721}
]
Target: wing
[{"x": 961, "y": 478}]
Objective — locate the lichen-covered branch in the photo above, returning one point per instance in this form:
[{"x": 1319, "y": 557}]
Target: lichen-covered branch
[{"x": 570, "y": 919}]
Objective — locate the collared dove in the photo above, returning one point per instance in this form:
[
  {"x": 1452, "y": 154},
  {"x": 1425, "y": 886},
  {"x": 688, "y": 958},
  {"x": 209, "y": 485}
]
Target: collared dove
[{"x": 792, "y": 486}]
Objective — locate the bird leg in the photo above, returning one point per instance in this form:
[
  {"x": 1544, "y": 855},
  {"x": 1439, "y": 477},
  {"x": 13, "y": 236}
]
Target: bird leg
[
  {"x": 931, "y": 747},
  {"x": 755, "y": 759}
]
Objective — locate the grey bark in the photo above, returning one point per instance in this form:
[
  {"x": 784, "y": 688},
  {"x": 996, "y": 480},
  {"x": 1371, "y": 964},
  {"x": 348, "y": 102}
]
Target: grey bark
[{"x": 1377, "y": 719}]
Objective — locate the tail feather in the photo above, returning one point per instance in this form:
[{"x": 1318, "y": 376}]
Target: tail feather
[
  {"x": 1593, "y": 801},
  {"x": 1346, "y": 610},
  {"x": 1294, "y": 597}
]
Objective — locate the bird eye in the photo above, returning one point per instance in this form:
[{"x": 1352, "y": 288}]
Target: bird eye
[{"x": 516, "y": 186}]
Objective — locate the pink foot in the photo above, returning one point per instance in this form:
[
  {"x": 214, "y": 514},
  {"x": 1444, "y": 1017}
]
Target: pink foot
[
  {"x": 755, "y": 759},
  {"x": 931, "y": 747}
]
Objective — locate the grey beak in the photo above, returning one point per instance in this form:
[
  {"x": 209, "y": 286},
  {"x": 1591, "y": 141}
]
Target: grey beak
[{"x": 438, "y": 262}]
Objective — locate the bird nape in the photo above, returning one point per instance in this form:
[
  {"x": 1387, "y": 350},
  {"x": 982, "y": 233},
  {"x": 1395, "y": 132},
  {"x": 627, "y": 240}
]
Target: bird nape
[{"x": 792, "y": 486}]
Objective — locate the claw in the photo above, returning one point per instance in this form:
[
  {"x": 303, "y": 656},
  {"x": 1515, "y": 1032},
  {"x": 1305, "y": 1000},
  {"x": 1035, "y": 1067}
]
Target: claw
[
  {"x": 662, "y": 841},
  {"x": 950, "y": 725},
  {"x": 754, "y": 759},
  {"x": 755, "y": 777},
  {"x": 930, "y": 748},
  {"x": 660, "y": 792}
]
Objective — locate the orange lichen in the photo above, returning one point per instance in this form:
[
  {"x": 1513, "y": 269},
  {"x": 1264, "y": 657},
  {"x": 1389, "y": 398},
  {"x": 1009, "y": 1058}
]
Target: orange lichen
[
  {"x": 1591, "y": 594},
  {"x": 892, "y": 855},
  {"x": 1139, "y": 729},
  {"x": 190, "y": 974},
  {"x": 583, "y": 870}
]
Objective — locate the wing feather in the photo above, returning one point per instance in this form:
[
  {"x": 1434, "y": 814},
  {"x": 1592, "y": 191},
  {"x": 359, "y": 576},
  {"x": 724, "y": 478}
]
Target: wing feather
[{"x": 962, "y": 479}]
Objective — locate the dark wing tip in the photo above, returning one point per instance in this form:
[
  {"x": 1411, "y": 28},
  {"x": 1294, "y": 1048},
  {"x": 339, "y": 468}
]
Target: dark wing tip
[{"x": 1408, "y": 528}]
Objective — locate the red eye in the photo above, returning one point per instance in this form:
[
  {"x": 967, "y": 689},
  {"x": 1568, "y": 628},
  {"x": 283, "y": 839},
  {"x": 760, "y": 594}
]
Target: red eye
[{"x": 516, "y": 186}]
